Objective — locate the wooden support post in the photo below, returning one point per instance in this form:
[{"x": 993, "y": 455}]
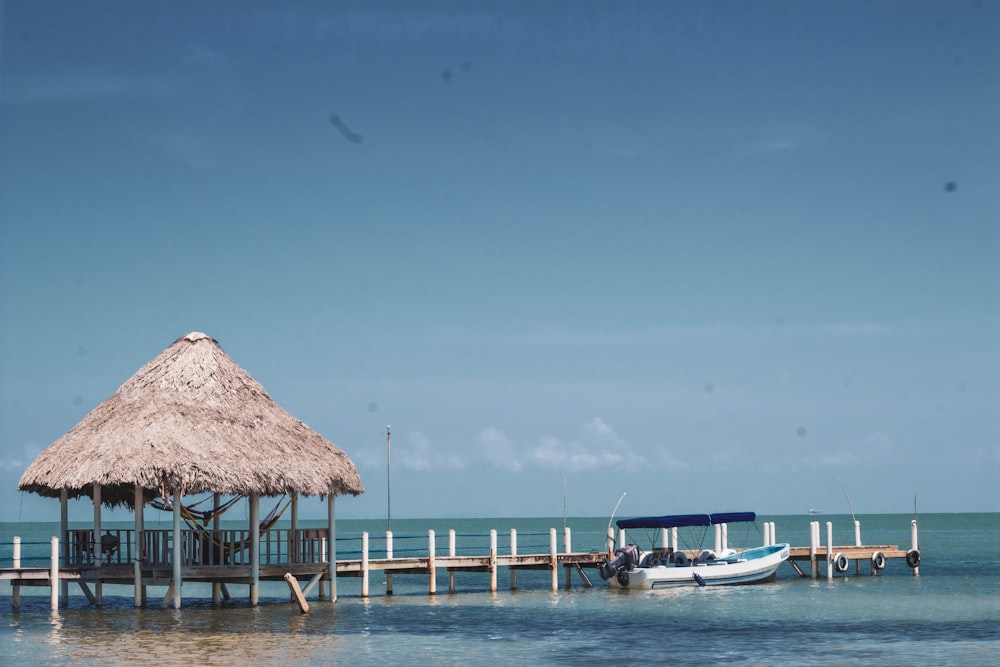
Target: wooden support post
[
  {"x": 312, "y": 583},
  {"x": 364, "y": 565},
  {"x": 64, "y": 536},
  {"x": 15, "y": 585},
  {"x": 216, "y": 506},
  {"x": 177, "y": 583},
  {"x": 432, "y": 572},
  {"x": 568, "y": 548},
  {"x": 300, "y": 599},
  {"x": 331, "y": 519},
  {"x": 388, "y": 555},
  {"x": 451, "y": 552},
  {"x": 513, "y": 552},
  {"x": 829, "y": 550},
  {"x": 813, "y": 546},
  {"x": 54, "y": 575},
  {"x": 98, "y": 555},
  {"x": 86, "y": 592},
  {"x": 554, "y": 559},
  {"x": 493, "y": 561},
  {"x": 169, "y": 595},
  {"x": 137, "y": 592},
  {"x": 254, "y": 549}
]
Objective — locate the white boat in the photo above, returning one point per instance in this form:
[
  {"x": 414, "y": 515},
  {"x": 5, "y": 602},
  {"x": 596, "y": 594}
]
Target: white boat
[{"x": 631, "y": 568}]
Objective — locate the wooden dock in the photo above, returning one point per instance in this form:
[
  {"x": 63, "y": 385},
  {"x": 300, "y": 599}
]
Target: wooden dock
[{"x": 291, "y": 555}]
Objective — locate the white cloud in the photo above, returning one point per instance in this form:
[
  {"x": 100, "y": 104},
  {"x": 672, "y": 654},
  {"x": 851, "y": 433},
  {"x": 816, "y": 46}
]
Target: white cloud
[
  {"x": 599, "y": 447},
  {"x": 498, "y": 450}
]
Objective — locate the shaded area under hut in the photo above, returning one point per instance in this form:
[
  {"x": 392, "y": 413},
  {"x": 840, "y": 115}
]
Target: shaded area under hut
[{"x": 192, "y": 421}]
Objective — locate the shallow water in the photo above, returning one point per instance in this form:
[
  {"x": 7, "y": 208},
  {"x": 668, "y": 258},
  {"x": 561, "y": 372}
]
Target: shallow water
[{"x": 949, "y": 614}]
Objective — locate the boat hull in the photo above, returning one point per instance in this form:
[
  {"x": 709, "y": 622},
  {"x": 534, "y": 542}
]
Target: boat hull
[{"x": 748, "y": 567}]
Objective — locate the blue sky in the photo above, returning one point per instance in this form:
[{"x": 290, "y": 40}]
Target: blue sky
[{"x": 715, "y": 255}]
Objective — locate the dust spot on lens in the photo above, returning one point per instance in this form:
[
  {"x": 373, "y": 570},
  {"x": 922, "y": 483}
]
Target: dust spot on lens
[
  {"x": 802, "y": 432},
  {"x": 950, "y": 186},
  {"x": 372, "y": 407}
]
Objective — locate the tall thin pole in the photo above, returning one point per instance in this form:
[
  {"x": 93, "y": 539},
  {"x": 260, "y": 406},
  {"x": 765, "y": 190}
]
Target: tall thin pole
[{"x": 388, "y": 478}]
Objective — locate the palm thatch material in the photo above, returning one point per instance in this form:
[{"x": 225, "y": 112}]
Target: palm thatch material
[{"x": 191, "y": 418}]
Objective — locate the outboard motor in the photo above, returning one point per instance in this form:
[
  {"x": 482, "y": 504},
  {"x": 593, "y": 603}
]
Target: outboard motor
[{"x": 624, "y": 559}]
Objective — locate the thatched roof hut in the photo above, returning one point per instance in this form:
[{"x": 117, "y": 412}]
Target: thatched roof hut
[{"x": 191, "y": 419}]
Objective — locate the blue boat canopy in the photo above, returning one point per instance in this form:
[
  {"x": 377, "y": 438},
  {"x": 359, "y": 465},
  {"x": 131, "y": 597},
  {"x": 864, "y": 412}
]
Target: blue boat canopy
[{"x": 681, "y": 520}]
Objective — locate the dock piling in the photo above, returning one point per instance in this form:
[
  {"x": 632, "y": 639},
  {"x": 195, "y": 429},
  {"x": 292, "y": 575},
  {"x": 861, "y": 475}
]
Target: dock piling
[
  {"x": 554, "y": 558},
  {"x": 430, "y": 562},
  {"x": 829, "y": 550}
]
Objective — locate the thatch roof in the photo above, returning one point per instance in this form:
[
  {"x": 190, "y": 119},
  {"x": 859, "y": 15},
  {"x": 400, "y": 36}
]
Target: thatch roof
[{"x": 192, "y": 417}]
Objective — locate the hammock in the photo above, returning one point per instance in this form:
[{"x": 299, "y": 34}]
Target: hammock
[{"x": 197, "y": 522}]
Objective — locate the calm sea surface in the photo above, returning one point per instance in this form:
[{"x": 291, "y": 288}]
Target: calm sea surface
[{"x": 950, "y": 614}]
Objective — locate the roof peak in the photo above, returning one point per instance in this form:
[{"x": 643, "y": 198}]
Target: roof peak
[{"x": 195, "y": 336}]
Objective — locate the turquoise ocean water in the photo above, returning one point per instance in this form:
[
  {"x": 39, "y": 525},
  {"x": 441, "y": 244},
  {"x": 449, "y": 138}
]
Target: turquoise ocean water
[{"x": 950, "y": 614}]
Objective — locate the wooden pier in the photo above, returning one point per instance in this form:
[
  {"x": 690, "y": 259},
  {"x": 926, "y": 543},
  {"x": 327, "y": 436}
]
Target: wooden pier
[{"x": 293, "y": 555}]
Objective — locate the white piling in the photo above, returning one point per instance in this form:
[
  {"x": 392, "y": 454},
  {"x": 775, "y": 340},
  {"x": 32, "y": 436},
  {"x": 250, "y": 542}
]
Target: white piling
[
  {"x": 388, "y": 555},
  {"x": 54, "y": 575},
  {"x": 568, "y": 548},
  {"x": 718, "y": 537},
  {"x": 493, "y": 561},
  {"x": 774, "y": 537},
  {"x": 857, "y": 543},
  {"x": 513, "y": 552},
  {"x": 15, "y": 587},
  {"x": 725, "y": 536},
  {"x": 914, "y": 543},
  {"x": 673, "y": 538},
  {"x": 621, "y": 538},
  {"x": 829, "y": 550},
  {"x": 430, "y": 562},
  {"x": 364, "y": 565},
  {"x": 554, "y": 559},
  {"x": 451, "y": 552},
  {"x": 813, "y": 544},
  {"x": 664, "y": 539}
]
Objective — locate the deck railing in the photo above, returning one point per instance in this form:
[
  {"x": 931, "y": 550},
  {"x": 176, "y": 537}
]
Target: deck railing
[{"x": 278, "y": 546}]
